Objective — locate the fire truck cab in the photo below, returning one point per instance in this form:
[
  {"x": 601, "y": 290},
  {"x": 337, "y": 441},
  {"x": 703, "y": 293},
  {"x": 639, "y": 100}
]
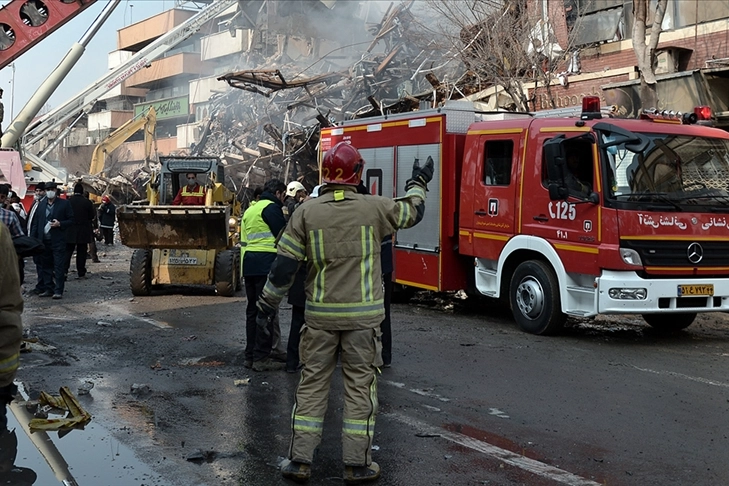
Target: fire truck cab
[{"x": 559, "y": 216}]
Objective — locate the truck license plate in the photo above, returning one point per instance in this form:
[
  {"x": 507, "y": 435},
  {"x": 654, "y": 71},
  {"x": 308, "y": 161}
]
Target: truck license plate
[
  {"x": 182, "y": 261},
  {"x": 695, "y": 290}
]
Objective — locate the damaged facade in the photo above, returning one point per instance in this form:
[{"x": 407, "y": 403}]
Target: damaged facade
[{"x": 255, "y": 86}]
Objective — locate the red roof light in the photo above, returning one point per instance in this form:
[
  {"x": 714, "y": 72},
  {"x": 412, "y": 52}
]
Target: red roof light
[
  {"x": 703, "y": 112},
  {"x": 590, "y": 108}
]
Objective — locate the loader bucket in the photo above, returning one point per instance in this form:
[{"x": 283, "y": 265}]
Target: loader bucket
[{"x": 174, "y": 227}]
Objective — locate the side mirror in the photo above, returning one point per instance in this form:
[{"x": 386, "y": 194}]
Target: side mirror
[
  {"x": 557, "y": 192},
  {"x": 555, "y": 158}
]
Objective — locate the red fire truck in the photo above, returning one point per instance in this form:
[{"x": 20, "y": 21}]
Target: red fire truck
[{"x": 560, "y": 216}]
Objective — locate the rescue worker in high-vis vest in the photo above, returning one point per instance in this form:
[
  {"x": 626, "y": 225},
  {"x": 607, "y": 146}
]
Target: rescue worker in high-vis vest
[
  {"x": 338, "y": 234},
  {"x": 191, "y": 194},
  {"x": 261, "y": 224},
  {"x": 11, "y": 327}
]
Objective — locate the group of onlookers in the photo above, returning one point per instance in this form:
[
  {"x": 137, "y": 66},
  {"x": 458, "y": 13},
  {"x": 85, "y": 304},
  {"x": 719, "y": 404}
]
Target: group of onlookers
[{"x": 61, "y": 227}]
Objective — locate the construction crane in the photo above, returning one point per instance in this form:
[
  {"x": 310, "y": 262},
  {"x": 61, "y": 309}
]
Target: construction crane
[{"x": 82, "y": 103}]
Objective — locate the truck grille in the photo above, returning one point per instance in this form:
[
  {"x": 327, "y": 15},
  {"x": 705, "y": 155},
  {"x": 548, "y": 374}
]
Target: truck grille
[{"x": 676, "y": 253}]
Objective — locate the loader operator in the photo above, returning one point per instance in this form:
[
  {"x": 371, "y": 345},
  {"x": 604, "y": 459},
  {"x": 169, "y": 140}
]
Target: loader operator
[
  {"x": 339, "y": 235},
  {"x": 192, "y": 194}
]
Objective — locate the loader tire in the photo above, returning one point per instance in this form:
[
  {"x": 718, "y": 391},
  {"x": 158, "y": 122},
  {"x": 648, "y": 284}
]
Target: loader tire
[
  {"x": 239, "y": 285},
  {"x": 140, "y": 272},
  {"x": 226, "y": 274}
]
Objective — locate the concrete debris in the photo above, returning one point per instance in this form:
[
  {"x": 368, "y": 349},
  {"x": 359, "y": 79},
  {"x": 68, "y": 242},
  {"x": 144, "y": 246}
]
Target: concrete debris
[
  {"x": 85, "y": 388},
  {"x": 140, "y": 389}
]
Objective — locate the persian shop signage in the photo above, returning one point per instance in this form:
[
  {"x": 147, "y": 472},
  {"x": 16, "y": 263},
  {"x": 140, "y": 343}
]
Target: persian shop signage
[{"x": 168, "y": 108}]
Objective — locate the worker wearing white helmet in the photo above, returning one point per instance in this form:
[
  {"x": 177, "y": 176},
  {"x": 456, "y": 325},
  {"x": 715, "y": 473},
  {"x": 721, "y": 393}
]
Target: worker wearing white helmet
[{"x": 295, "y": 194}]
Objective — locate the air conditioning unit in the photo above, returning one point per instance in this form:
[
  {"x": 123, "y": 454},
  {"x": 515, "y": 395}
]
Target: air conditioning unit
[
  {"x": 89, "y": 140},
  {"x": 666, "y": 61}
]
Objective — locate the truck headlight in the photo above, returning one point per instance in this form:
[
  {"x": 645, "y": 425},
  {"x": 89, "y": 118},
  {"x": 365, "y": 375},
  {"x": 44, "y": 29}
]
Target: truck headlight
[
  {"x": 631, "y": 257},
  {"x": 628, "y": 293}
]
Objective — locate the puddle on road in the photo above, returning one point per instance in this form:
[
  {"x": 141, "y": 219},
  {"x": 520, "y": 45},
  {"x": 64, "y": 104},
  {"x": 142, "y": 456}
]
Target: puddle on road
[{"x": 87, "y": 457}]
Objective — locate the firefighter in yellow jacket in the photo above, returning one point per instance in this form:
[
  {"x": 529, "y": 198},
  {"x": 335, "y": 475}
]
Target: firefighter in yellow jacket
[
  {"x": 338, "y": 234},
  {"x": 11, "y": 327}
]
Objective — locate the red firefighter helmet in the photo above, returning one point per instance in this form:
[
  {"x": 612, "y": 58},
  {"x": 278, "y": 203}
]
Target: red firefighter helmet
[
  {"x": 342, "y": 164},
  {"x": 105, "y": 199}
]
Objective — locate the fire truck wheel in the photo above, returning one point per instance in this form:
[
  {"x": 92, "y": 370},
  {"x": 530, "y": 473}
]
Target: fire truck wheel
[
  {"x": 534, "y": 296},
  {"x": 670, "y": 322},
  {"x": 140, "y": 272},
  {"x": 225, "y": 273}
]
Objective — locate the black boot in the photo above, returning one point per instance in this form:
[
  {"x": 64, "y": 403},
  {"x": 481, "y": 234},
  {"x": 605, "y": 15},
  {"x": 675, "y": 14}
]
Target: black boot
[
  {"x": 296, "y": 471},
  {"x": 361, "y": 474}
]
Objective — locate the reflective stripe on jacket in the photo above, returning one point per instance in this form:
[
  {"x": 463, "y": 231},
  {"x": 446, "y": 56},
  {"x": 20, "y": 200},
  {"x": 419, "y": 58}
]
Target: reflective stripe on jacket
[
  {"x": 255, "y": 235},
  {"x": 199, "y": 192}
]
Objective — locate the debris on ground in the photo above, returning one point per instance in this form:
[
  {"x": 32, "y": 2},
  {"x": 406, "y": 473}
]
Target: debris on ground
[
  {"x": 243, "y": 382},
  {"x": 76, "y": 418},
  {"x": 140, "y": 389},
  {"x": 85, "y": 388}
]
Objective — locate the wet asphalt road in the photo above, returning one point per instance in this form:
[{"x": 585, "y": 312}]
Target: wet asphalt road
[{"x": 469, "y": 400}]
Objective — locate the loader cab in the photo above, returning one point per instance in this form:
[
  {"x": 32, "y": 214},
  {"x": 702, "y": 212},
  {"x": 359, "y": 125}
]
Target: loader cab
[{"x": 174, "y": 170}]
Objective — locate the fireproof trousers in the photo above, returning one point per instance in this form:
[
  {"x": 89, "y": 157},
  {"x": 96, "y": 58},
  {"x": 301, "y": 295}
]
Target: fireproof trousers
[{"x": 360, "y": 352}]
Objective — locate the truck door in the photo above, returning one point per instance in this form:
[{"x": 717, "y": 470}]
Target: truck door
[
  {"x": 571, "y": 225},
  {"x": 494, "y": 199}
]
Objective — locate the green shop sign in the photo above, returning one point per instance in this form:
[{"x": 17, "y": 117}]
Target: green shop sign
[{"x": 168, "y": 108}]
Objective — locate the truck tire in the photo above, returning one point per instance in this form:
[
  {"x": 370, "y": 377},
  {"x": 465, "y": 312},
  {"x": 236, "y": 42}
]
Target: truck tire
[
  {"x": 225, "y": 273},
  {"x": 140, "y": 272},
  {"x": 534, "y": 298},
  {"x": 670, "y": 322}
]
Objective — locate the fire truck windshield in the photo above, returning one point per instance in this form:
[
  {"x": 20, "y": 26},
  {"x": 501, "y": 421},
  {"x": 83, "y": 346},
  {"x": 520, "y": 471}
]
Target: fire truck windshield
[{"x": 677, "y": 170}]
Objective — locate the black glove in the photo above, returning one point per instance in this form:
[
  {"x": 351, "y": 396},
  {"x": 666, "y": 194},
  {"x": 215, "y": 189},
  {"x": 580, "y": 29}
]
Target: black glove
[
  {"x": 265, "y": 315},
  {"x": 424, "y": 174}
]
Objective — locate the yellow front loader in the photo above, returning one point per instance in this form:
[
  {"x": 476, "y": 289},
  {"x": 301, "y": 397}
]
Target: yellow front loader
[{"x": 184, "y": 245}]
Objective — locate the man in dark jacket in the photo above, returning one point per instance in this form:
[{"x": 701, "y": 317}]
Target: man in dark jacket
[
  {"x": 107, "y": 218},
  {"x": 52, "y": 219},
  {"x": 261, "y": 224},
  {"x": 80, "y": 234},
  {"x": 40, "y": 194}
]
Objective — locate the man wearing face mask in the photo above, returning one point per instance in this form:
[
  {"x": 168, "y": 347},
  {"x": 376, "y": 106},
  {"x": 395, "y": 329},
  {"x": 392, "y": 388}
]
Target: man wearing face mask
[
  {"x": 192, "y": 194},
  {"x": 40, "y": 194},
  {"x": 52, "y": 219}
]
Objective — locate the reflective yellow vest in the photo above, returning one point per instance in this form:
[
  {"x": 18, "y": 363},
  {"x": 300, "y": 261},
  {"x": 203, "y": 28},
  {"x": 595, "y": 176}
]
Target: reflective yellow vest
[
  {"x": 255, "y": 235},
  {"x": 199, "y": 193}
]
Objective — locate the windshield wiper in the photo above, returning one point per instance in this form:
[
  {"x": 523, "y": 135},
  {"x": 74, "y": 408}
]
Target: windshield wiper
[
  {"x": 657, "y": 197},
  {"x": 717, "y": 197}
]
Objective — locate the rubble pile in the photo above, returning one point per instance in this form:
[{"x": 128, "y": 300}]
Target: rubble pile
[{"x": 268, "y": 125}]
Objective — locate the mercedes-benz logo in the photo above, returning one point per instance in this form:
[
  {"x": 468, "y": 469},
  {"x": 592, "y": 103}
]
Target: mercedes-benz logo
[{"x": 695, "y": 253}]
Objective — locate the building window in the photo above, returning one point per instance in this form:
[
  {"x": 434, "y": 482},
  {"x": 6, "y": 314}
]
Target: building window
[{"x": 498, "y": 155}]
